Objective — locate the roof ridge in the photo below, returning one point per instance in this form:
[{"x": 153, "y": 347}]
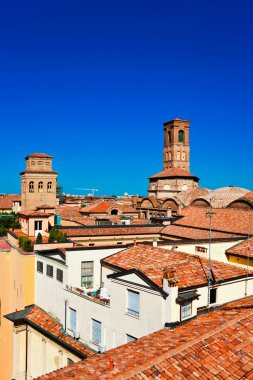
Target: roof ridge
[{"x": 174, "y": 351}]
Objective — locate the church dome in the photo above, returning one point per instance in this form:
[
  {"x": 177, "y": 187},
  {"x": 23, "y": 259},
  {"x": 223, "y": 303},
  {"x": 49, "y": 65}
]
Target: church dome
[{"x": 221, "y": 197}]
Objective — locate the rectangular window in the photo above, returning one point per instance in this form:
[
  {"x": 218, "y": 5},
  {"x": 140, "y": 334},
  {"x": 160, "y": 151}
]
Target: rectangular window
[
  {"x": 39, "y": 266},
  {"x": 72, "y": 319},
  {"x": 133, "y": 307},
  {"x": 96, "y": 331},
  {"x": 130, "y": 338},
  {"x": 186, "y": 310},
  {"x": 87, "y": 274},
  {"x": 200, "y": 249},
  {"x": 213, "y": 295},
  {"x": 50, "y": 270},
  {"x": 59, "y": 275},
  {"x": 38, "y": 225}
]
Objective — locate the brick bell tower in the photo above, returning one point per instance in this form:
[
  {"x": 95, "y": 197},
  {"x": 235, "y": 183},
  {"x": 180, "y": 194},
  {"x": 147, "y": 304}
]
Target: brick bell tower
[
  {"x": 176, "y": 151},
  {"x": 38, "y": 182}
]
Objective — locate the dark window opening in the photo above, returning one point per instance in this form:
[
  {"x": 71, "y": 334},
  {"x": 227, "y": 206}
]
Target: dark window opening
[
  {"x": 181, "y": 136},
  {"x": 50, "y": 270},
  {"x": 39, "y": 266},
  {"x": 59, "y": 275},
  {"x": 213, "y": 295}
]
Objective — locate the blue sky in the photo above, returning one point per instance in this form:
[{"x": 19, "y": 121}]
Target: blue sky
[{"x": 91, "y": 83}]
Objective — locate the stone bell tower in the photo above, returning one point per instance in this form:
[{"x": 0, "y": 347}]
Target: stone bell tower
[
  {"x": 38, "y": 182},
  {"x": 176, "y": 151}
]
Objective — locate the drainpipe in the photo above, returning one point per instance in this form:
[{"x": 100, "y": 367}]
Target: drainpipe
[
  {"x": 65, "y": 316},
  {"x": 26, "y": 353}
]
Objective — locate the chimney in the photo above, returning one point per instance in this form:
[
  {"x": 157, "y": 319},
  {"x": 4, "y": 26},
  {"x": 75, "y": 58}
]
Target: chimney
[
  {"x": 170, "y": 286},
  {"x": 169, "y": 278},
  {"x": 154, "y": 242}
]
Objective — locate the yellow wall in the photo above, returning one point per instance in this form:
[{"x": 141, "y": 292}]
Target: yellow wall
[
  {"x": 240, "y": 260},
  {"x": 16, "y": 292}
]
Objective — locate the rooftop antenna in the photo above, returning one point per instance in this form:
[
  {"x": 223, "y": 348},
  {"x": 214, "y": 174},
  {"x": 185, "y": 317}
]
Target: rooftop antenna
[
  {"x": 247, "y": 268},
  {"x": 209, "y": 215}
]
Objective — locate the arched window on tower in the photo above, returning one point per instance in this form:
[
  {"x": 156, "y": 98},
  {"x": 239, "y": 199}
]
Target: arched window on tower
[
  {"x": 49, "y": 187},
  {"x": 181, "y": 136},
  {"x": 31, "y": 187},
  {"x": 169, "y": 137},
  {"x": 40, "y": 187}
]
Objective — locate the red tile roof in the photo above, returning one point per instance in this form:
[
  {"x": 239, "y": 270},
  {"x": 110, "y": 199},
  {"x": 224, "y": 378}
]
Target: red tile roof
[
  {"x": 191, "y": 270},
  {"x": 44, "y": 321},
  {"x": 181, "y": 232},
  {"x": 224, "y": 220},
  {"x": 111, "y": 230},
  {"x": 101, "y": 207},
  {"x": 4, "y": 246},
  {"x": 39, "y": 214},
  {"x": 244, "y": 249},
  {"x": 7, "y": 200},
  {"x": 173, "y": 172},
  {"x": 39, "y": 155},
  {"x": 217, "y": 345}
]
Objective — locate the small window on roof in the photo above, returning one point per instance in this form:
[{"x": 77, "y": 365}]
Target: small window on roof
[{"x": 186, "y": 310}]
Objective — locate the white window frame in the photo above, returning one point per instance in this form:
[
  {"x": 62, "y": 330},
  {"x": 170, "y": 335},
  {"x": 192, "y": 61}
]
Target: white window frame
[
  {"x": 72, "y": 318},
  {"x": 133, "y": 303},
  {"x": 96, "y": 331},
  {"x": 186, "y": 310},
  {"x": 87, "y": 274}
]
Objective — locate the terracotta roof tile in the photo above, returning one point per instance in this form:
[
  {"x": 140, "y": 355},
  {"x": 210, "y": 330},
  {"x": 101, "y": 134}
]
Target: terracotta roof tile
[
  {"x": 100, "y": 207},
  {"x": 243, "y": 249},
  {"x": 223, "y": 220},
  {"x": 216, "y": 345},
  {"x": 4, "y": 246},
  {"x": 40, "y": 318},
  {"x": 173, "y": 172},
  {"x": 39, "y": 155},
  {"x": 111, "y": 230},
  {"x": 31, "y": 213},
  {"x": 7, "y": 200},
  {"x": 191, "y": 270},
  {"x": 194, "y": 233}
]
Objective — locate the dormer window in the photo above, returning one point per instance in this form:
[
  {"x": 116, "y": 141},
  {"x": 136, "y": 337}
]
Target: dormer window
[{"x": 186, "y": 310}]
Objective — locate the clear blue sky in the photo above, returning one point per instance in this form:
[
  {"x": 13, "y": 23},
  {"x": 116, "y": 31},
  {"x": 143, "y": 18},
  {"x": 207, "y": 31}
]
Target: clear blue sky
[{"x": 91, "y": 83}]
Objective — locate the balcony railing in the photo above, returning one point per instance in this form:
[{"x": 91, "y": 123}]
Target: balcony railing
[{"x": 90, "y": 296}]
